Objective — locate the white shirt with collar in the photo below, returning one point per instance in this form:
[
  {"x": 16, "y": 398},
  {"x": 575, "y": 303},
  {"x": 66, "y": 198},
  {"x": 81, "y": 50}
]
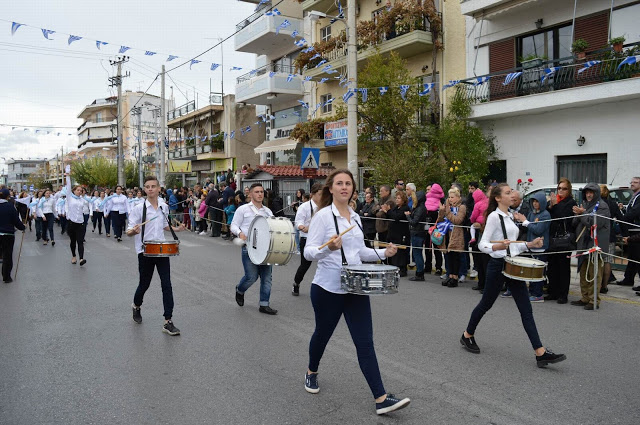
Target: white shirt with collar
[
  {"x": 304, "y": 214},
  {"x": 321, "y": 229},
  {"x": 73, "y": 208},
  {"x": 493, "y": 232},
  {"x": 244, "y": 216},
  {"x": 117, "y": 204},
  {"x": 153, "y": 230},
  {"x": 49, "y": 205}
]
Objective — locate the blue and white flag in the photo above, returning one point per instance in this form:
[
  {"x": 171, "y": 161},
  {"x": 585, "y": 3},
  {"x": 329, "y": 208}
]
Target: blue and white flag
[
  {"x": 510, "y": 77},
  {"x": 365, "y": 94},
  {"x": 171, "y": 57},
  {"x": 328, "y": 102},
  {"x": 260, "y": 4},
  {"x": 427, "y": 89},
  {"x": 348, "y": 95},
  {"x": 248, "y": 129},
  {"x": 253, "y": 72},
  {"x": 296, "y": 113},
  {"x": 340, "y": 13},
  {"x": 588, "y": 65},
  {"x": 283, "y": 25},
  {"x": 232, "y": 135},
  {"x": 327, "y": 68},
  {"x": 307, "y": 78},
  {"x": 403, "y": 91},
  {"x": 316, "y": 56},
  {"x": 289, "y": 78},
  {"x": 283, "y": 116},
  {"x": 549, "y": 72},
  {"x": 149, "y": 53},
  {"x": 193, "y": 62},
  {"x": 273, "y": 12},
  {"x": 629, "y": 61},
  {"x": 300, "y": 43},
  {"x": 236, "y": 68},
  {"x": 123, "y": 49},
  {"x": 73, "y": 38},
  {"x": 308, "y": 49},
  {"x": 343, "y": 80},
  {"x": 304, "y": 104},
  {"x": 204, "y": 139},
  {"x": 481, "y": 80},
  {"x": 294, "y": 34},
  {"x": 100, "y": 43},
  {"x": 14, "y": 27},
  {"x": 322, "y": 62},
  {"x": 47, "y": 33},
  {"x": 272, "y": 74},
  {"x": 214, "y": 66},
  {"x": 242, "y": 131},
  {"x": 383, "y": 90},
  {"x": 451, "y": 83}
]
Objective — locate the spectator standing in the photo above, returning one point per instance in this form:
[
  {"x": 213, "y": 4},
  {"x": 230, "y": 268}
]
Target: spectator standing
[
  {"x": 632, "y": 215},
  {"x": 367, "y": 212},
  {"x": 434, "y": 198},
  {"x": 382, "y": 226},
  {"x": 454, "y": 211},
  {"x": 399, "y": 229},
  {"x": 418, "y": 235},
  {"x": 480, "y": 259},
  {"x": 615, "y": 212}
]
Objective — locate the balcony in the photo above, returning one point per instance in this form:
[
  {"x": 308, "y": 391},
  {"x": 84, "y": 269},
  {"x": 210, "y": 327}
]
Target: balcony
[
  {"x": 406, "y": 45},
  {"x": 260, "y": 89},
  {"x": 321, "y": 5},
  {"x": 100, "y": 124},
  {"x": 473, "y": 7},
  {"x": 259, "y": 34},
  {"x": 89, "y": 146},
  {"x": 529, "y": 93}
]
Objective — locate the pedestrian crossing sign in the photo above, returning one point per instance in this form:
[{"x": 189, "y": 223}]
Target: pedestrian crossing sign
[{"x": 310, "y": 158}]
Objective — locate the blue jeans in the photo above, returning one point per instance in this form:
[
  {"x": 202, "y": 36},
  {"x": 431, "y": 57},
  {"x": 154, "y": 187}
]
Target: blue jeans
[
  {"x": 535, "y": 288},
  {"x": 145, "y": 267},
  {"x": 251, "y": 274},
  {"x": 493, "y": 284},
  {"x": 417, "y": 241},
  {"x": 328, "y": 308}
]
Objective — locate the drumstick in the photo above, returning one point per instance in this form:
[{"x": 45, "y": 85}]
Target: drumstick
[
  {"x": 510, "y": 242},
  {"x": 151, "y": 219},
  {"x": 385, "y": 244},
  {"x": 333, "y": 238}
]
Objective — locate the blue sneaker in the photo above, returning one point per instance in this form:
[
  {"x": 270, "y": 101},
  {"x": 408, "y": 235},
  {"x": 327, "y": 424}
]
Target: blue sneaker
[
  {"x": 536, "y": 299},
  {"x": 506, "y": 294},
  {"x": 391, "y": 403},
  {"x": 311, "y": 383}
]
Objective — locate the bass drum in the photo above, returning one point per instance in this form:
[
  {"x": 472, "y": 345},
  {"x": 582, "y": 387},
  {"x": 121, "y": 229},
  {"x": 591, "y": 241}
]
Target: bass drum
[{"x": 271, "y": 240}]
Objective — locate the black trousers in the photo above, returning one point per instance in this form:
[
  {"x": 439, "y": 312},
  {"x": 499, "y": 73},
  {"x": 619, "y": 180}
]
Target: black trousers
[
  {"x": 559, "y": 275},
  {"x": 145, "y": 267},
  {"x": 76, "y": 236},
  {"x": 632, "y": 268},
  {"x": 97, "y": 219},
  {"x": 304, "y": 263},
  {"x": 6, "y": 246},
  {"x": 480, "y": 261}
]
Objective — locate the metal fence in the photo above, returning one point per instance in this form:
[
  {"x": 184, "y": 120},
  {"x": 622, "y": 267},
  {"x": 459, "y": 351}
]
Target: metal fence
[
  {"x": 272, "y": 67},
  {"x": 254, "y": 16}
]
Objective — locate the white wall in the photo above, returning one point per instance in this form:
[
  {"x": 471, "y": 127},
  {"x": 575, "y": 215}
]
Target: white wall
[
  {"x": 531, "y": 143},
  {"x": 626, "y": 22}
]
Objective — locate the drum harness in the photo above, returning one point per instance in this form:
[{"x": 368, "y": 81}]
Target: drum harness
[
  {"x": 344, "y": 258},
  {"x": 144, "y": 218}
]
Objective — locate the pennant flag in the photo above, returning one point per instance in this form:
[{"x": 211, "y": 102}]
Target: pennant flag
[
  {"x": 629, "y": 61},
  {"x": 149, "y": 53},
  {"x": 304, "y": 105},
  {"x": 307, "y": 78},
  {"x": 100, "y": 43},
  {"x": 193, "y": 62},
  {"x": 427, "y": 89},
  {"x": 236, "y": 68},
  {"x": 548, "y": 72},
  {"x": 365, "y": 95},
  {"x": 309, "y": 49},
  {"x": 348, "y": 95},
  {"x": 283, "y": 116},
  {"x": 340, "y": 13},
  {"x": 47, "y": 33},
  {"x": 214, "y": 66},
  {"x": 253, "y": 72},
  {"x": 329, "y": 101},
  {"x": 300, "y": 43},
  {"x": 289, "y": 78},
  {"x": 327, "y": 68},
  {"x": 171, "y": 57},
  {"x": 316, "y": 56},
  {"x": 263, "y": 118},
  {"x": 283, "y": 25},
  {"x": 383, "y": 90},
  {"x": 232, "y": 135},
  {"x": 511, "y": 77},
  {"x": 272, "y": 117},
  {"x": 322, "y": 62},
  {"x": 273, "y": 12},
  {"x": 248, "y": 129},
  {"x": 204, "y": 138},
  {"x": 294, "y": 34},
  {"x": 272, "y": 74},
  {"x": 324, "y": 80},
  {"x": 331, "y": 71},
  {"x": 260, "y": 4},
  {"x": 588, "y": 65},
  {"x": 123, "y": 49},
  {"x": 481, "y": 80},
  {"x": 452, "y": 83},
  {"x": 14, "y": 27},
  {"x": 296, "y": 113},
  {"x": 73, "y": 38}
]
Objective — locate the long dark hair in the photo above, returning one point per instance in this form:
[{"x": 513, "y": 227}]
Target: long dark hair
[
  {"x": 327, "y": 198},
  {"x": 493, "y": 204}
]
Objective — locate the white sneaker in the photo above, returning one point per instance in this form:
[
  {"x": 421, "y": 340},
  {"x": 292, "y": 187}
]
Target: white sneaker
[
  {"x": 473, "y": 274},
  {"x": 444, "y": 276},
  {"x": 202, "y": 233},
  {"x": 461, "y": 278}
]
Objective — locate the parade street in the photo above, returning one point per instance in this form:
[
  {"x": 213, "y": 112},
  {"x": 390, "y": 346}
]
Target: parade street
[{"x": 71, "y": 353}]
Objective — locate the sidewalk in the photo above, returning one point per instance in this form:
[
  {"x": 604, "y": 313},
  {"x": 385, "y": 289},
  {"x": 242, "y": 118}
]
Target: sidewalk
[{"x": 616, "y": 293}]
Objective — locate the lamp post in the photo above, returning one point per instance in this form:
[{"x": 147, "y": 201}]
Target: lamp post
[{"x": 352, "y": 75}]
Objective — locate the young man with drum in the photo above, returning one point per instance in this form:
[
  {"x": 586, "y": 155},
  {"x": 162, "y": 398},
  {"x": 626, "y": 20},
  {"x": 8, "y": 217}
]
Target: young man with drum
[
  {"x": 240, "y": 227},
  {"x": 305, "y": 212},
  {"x": 498, "y": 240},
  {"x": 147, "y": 222},
  {"x": 329, "y": 300}
]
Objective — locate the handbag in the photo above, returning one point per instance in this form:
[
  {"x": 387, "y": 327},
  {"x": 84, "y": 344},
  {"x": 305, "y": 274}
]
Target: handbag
[
  {"x": 437, "y": 237},
  {"x": 563, "y": 240}
]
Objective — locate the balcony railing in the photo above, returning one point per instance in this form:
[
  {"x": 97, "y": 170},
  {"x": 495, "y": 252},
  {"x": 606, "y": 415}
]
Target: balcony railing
[
  {"x": 272, "y": 67},
  {"x": 570, "y": 74},
  {"x": 253, "y": 17},
  {"x": 182, "y": 110}
]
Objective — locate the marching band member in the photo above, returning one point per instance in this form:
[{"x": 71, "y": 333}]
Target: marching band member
[
  {"x": 34, "y": 206},
  {"x": 96, "y": 217},
  {"x": 155, "y": 212},
  {"x": 9, "y": 221},
  {"x": 304, "y": 214},
  {"x": 329, "y": 300},
  {"x": 499, "y": 226},
  {"x": 116, "y": 207},
  {"x": 240, "y": 227},
  {"x": 73, "y": 208},
  {"x": 48, "y": 214}
]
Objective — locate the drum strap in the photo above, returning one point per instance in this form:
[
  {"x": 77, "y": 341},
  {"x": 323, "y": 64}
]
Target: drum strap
[
  {"x": 169, "y": 221},
  {"x": 504, "y": 232},
  {"x": 144, "y": 218},
  {"x": 344, "y": 259}
]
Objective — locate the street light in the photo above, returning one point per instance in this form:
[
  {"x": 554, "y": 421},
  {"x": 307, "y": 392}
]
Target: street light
[{"x": 352, "y": 75}]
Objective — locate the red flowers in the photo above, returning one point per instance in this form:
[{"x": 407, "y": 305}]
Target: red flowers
[
  {"x": 519, "y": 181},
  {"x": 530, "y": 180}
]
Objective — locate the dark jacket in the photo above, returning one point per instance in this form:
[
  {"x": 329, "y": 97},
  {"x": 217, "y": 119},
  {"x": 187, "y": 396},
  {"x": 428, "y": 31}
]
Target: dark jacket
[
  {"x": 418, "y": 217},
  {"x": 382, "y": 225},
  {"x": 399, "y": 227},
  {"x": 615, "y": 212},
  {"x": 563, "y": 209},
  {"x": 226, "y": 194},
  {"x": 539, "y": 228},
  {"x": 632, "y": 215},
  {"x": 368, "y": 213},
  {"x": 277, "y": 206},
  {"x": 524, "y": 210},
  {"x": 585, "y": 241},
  {"x": 9, "y": 218}
]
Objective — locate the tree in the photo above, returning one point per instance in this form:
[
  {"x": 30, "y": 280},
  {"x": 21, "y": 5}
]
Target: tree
[
  {"x": 102, "y": 172},
  {"x": 37, "y": 179}
]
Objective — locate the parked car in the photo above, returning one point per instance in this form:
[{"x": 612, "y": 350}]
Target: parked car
[{"x": 619, "y": 194}]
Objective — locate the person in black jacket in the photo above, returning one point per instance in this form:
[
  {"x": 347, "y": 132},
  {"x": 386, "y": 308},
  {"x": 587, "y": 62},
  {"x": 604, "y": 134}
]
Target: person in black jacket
[
  {"x": 399, "y": 229},
  {"x": 559, "y": 266},
  {"x": 632, "y": 215},
  {"x": 615, "y": 212},
  {"x": 418, "y": 234},
  {"x": 9, "y": 221},
  {"x": 215, "y": 212},
  {"x": 368, "y": 211}
]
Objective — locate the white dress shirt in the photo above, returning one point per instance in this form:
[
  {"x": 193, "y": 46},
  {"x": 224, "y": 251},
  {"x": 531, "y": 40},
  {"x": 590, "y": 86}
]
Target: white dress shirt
[
  {"x": 73, "y": 208},
  {"x": 322, "y": 228},
  {"x": 303, "y": 216},
  {"x": 244, "y": 216},
  {"x": 154, "y": 230},
  {"x": 493, "y": 232},
  {"x": 49, "y": 205},
  {"x": 95, "y": 204},
  {"x": 117, "y": 204}
]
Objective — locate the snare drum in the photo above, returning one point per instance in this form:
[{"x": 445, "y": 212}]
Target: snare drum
[
  {"x": 161, "y": 248},
  {"x": 370, "y": 279},
  {"x": 524, "y": 269},
  {"x": 271, "y": 240}
]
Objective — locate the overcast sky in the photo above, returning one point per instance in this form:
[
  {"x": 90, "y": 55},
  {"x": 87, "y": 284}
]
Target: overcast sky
[{"x": 47, "y": 83}]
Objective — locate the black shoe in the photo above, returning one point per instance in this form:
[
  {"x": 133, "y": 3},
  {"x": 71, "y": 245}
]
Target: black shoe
[
  {"x": 549, "y": 357},
  {"x": 469, "y": 344},
  {"x": 638, "y": 294},
  {"x": 446, "y": 282},
  {"x": 83, "y": 262},
  {"x": 604, "y": 290},
  {"x": 476, "y": 288},
  {"x": 550, "y": 298},
  {"x": 170, "y": 329},
  {"x": 99, "y": 233},
  {"x": 296, "y": 290},
  {"x": 590, "y": 307},
  {"x": 562, "y": 300},
  {"x": 137, "y": 317},
  {"x": 93, "y": 231},
  {"x": 391, "y": 403},
  {"x": 403, "y": 273},
  {"x": 636, "y": 288},
  {"x": 417, "y": 278},
  {"x": 239, "y": 298},
  {"x": 9, "y": 280},
  {"x": 119, "y": 239},
  {"x": 311, "y": 383},
  {"x": 267, "y": 310},
  {"x": 625, "y": 282},
  {"x": 579, "y": 303},
  {"x": 53, "y": 243},
  {"x": 438, "y": 272},
  {"x": 453, "y": 283}
]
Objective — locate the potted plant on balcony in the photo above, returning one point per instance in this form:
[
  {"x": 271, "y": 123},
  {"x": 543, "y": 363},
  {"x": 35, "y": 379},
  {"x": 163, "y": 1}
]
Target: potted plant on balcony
[
  {"x": 532, "y": 61},
  {"x": 617, "y": 43},
  {"x": 579, "y": 47}
]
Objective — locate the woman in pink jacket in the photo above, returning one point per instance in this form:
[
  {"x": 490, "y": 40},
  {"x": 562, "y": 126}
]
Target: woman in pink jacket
[
  {"x": 434, "y": 198},
  {"x": 202, "y": 213},
  {"x": 480, "y": 259}
]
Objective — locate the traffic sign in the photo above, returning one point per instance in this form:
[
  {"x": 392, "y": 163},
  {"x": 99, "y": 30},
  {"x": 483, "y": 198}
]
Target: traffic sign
[{"x": 310, "y": 158}]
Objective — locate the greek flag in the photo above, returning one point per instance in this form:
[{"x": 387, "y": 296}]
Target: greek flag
[
  {"x": 73, "y": 38},
  {"x": 383, "y": 90},
  {"x": 365, "y": 94},
  {"x": 549, "y": 72},
  {"x": 149, "y": 53},
  {"x": 427, "y": 89},
  {"x": 300, "y": 43},
  {"x": 123, "y": 49},
  {"x": 236, "y": 68},
  {"x": 260, "y": 4},
  {"x": 214, "y": 66},
  {"x": 343, "y": 80},
  {"x": 204, "y": 138},
  {"x": 283, "y": 25},
  {"x": 100, "y": 43},
  {"x": 271, "y": 74},
  {"x": 171, "y": 57},
  {"x": 511, "y": 77},
  {"x": 327, "y": 68},
  {"x": 253, "y": 72},
  {"x": 289, "y": 78},
  {"x": 47, "y": 33},
  {"x": 304, "y": 105},
  {"x": 323, "y": 80},
  {"x": 316, "y": 56},
  {"x": 309, "y": 49},
  {"x": 193, "y": 62},
  {"x": 307, "y": 78},
  {"x": 588, "y": 65},
  {"x": 481, "y": 80},
  {"x": 403, "y": 91},
  {"x": 294, "y": 34},
  {"x": 322, "y": 62},
  {"x": 340, "y": 13},
  {"x": 232, "y": 135},
  {"x": 444, "y": 226},
  {"x": 629, "y": 61},
  {"x": 14, "y": 27},
  {"x": 348, "y": 95},
  {"x": 273, "y": 12},
  {"x": 451, "y": 83},
  {"x": 328, "y": 102}
]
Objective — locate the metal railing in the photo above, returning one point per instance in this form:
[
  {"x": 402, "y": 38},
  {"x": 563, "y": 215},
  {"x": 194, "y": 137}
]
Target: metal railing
[
  {"x": 181, "y": 110},
  {"x": 253, "y": 17},
  {"x": 540, "y": 80},
  {"x": 272, "y": 67}
]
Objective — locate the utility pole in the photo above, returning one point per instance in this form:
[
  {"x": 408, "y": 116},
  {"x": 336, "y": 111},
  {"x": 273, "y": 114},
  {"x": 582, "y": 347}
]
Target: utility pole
[
  {"x": 352, "y": 104},
  {"x": 61, "y": 165},
  {"x": 163, "y": 125},
  {"x": 138, "y": 112},
  {"x": 117, "y": 81}
]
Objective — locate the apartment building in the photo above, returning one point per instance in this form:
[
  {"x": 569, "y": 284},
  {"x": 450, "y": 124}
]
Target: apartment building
[
  {"x": 553, "y": 112},
  {"x": 19, "y": 170}
]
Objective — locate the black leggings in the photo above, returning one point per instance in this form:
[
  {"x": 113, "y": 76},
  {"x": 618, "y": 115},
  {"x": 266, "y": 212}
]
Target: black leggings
[
  {"x": 76, "y": 234},
  {"x": 454, "y": 263},
  {"x": 97, "y": 219}
]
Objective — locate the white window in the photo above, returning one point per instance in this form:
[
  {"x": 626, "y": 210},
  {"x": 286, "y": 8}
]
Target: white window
[
  {"x": 326, "y": 108},
  {"x": 98, "y": 116},
  {"x": 325, "y": 33}
]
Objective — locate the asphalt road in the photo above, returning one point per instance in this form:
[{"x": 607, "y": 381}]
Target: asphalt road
[{"x": 71, "y": 354}]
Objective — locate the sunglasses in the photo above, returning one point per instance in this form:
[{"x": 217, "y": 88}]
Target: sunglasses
[{"x": 563, "y": 188}]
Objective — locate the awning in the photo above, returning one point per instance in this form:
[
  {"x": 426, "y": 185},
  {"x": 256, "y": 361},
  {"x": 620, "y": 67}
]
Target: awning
[
  {"x": 276, "y": 145},
  {"x": 503, "y": 8}
]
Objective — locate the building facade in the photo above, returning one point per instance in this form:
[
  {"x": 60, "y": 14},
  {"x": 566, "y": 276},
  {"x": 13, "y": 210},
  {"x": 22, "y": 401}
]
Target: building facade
[
  {"x": 19, "y": 170},
  {"x": 554, "y": 112}
]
